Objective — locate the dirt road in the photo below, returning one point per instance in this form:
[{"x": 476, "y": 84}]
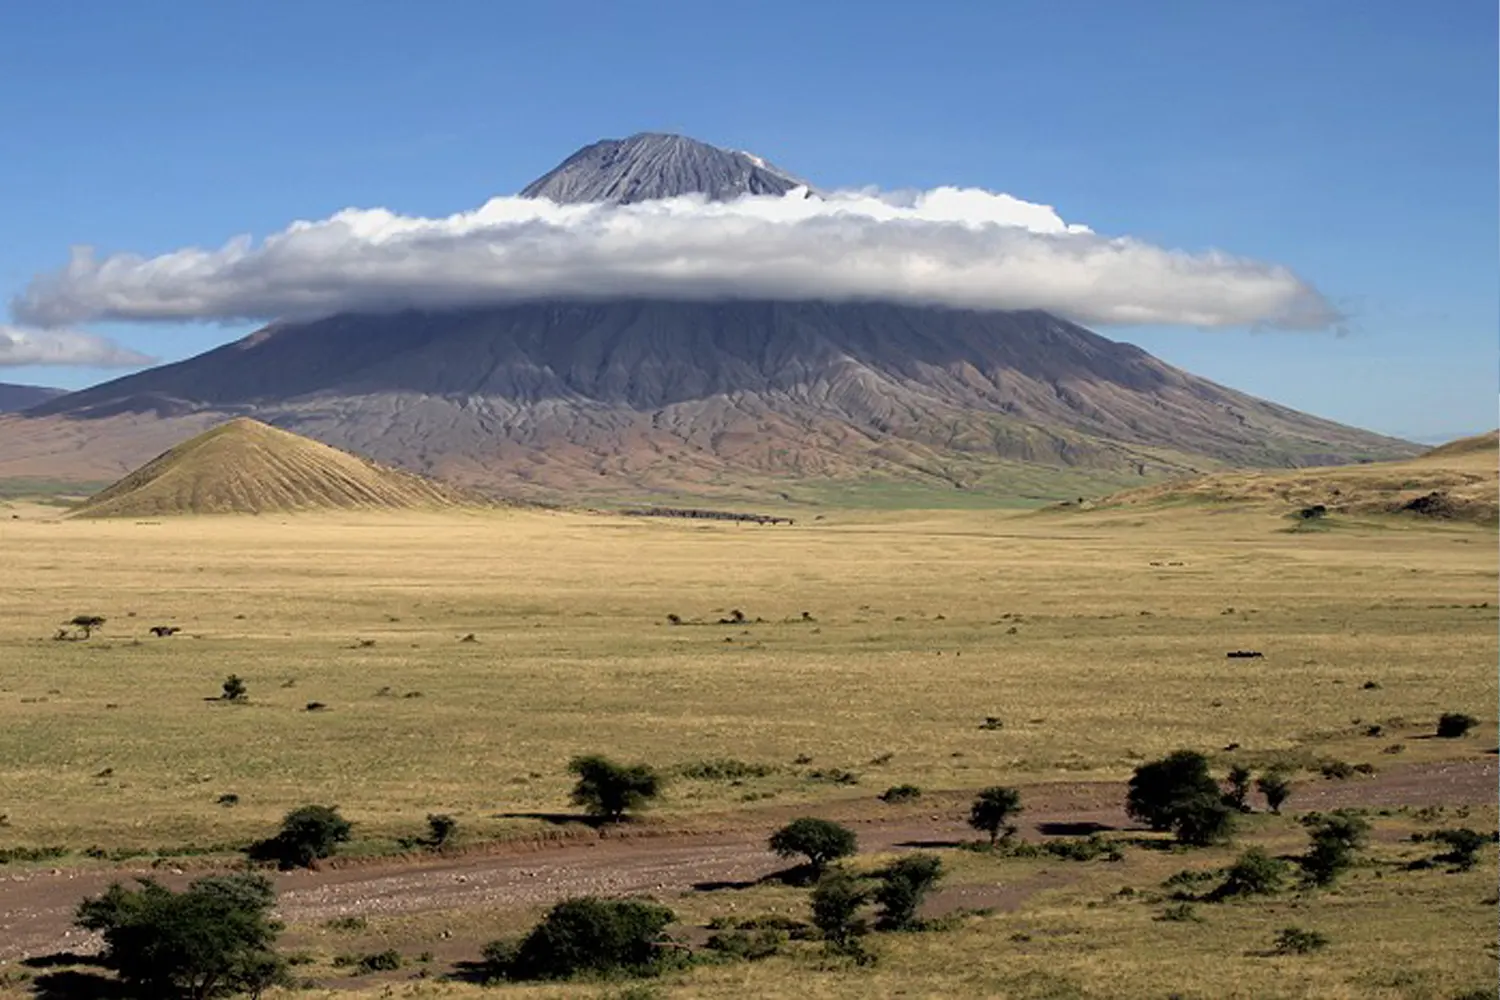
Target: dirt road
[{"x": 36, "y": 907}]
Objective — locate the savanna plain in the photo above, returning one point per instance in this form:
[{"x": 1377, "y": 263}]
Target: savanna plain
[{"x": 403, "y": 665}]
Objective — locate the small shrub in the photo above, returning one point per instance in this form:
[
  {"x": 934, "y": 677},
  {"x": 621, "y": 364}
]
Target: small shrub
[
  {"x": 1336, "y": 770},
  {"x": 1255, "y": 873},
  {"x": 234, "y": 689},
  {"x": 836, "y": 902},
  {"x": 591, "y": 935},
  {"x": 724, "y": 769},
  {"x": 834, "y": 776},
  {"x": 746, "y": 945},
  {"x": 992, "y": 810},
  {"x": 441, "y": 830},
  {"x": 370, "y": 962},
  {"x": 1335, "y": 839},
  {"x": 821, "y": 841},
  {"x": 1180, "y": 913},
  {"x": 1084, "y": 848},
  {"x": 1453, "y": 725},
  {"x": 1463, "y": 846},
  {"x": 1203, "y": 820},
  {"x": 1297, "y": 941},
  {"x": 1276, "y": 786},
  {"x": 307, "y": 834},
  {"x": 608, "y": 790},
  {"x": 1238, "y": 795},
  {"x": 87, "y": 623},
  {"x": 227, "y": 799},
  {"x": 992, "y": 722},
  {"x": 316, "y": 706},
  {"x": 900, "y": 793},
  {"x": 347, "y": 924},
  {"x": 903, "y": 886}
]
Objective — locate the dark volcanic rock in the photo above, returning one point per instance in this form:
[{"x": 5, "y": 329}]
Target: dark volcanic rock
[{"x": 652, "y": 165}]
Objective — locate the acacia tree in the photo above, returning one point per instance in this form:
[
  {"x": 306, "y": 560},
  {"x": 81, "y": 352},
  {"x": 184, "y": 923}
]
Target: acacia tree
[
  {"x": 608, "y": 790},
  {"x": 87, "y": 623},
  {"x": 1178, "y": 793},
  {"x": 821, "y": 841},
  {"x": 992, "y": 810},
  {"x": 214, "y": 939}
]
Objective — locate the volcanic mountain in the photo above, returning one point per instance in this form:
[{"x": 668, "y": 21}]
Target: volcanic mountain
[
  {"x": 637, "y": 397},
  {"x": 19, "y": 397},
  {"x": 246, "y": 467}
]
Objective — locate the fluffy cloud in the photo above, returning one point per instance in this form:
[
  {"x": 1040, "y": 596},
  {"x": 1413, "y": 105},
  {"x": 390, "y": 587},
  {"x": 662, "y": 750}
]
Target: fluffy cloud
[
  {"x": 949, "y": 246},
  {"x": 64, "y": 347}
]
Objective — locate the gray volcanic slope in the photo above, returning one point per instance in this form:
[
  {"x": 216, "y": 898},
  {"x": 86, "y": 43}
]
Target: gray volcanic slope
[
  {"x": 627, "y": 396},
  {"x": 652, "y": 165},
  {"x": 19, "y": 397}
]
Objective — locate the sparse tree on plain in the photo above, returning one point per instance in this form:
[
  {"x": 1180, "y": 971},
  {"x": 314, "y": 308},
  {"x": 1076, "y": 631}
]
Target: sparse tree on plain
[
  {"x": 821, "y": 841},
  {"x": 608, "y": 790},
  {"x": 1276, "y": 786},
  {"x": 992, "y": 811},
  {"x": 214, "y": 939},
  {"x": 87, "y": 623}
]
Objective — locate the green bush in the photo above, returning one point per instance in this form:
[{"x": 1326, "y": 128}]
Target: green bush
[
  {"x": 749, "y": 946},
  {"x": 1238, "y": 796},
  {"x": 214, "y": 939},
  {"x": 1453, "y": 725},
  {"x": 1276, "y": 786},
  {"x": 1178, "y": 793},
  {"x": 1255, "y": 873},
  {"x": 903, "y": 886},
  {"x": 234, "y": 688},
  {"x": 307, "y": 834},
  {"x": 608, "y": 790},
  {"x": 1335, "y": 839},
  {"x": 900, "y": 793},
  {"x": 1296, "y": 941},
  {"x": 992, "y": 810},
  {"x": 1084, "y": 848},
  {"x": 1180, "y": 913},
  {"x": 604, "y": 936},
  {"x": 370, "y": 962},
  {"x": 441, "y": 830},
  {"x": 821, "y": 841},
  {"x": 1463, "y": 846},
  {"x": 724, "y": 769},
  {"x": 836, "y": 901}
]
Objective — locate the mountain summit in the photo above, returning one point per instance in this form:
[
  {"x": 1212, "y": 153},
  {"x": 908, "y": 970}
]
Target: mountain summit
[
  {"x": 652, "y": 165},
  {"x": 561, "y": 399}
]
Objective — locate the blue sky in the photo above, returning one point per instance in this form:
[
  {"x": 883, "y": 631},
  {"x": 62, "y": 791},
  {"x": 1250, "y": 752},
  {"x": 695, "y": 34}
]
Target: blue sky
[{"x": 1353, "y": 142}]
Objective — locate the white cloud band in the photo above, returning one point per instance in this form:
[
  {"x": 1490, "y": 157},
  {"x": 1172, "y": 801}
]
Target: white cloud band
[
  {"x": 64, "y": 347},
  {"x": 957, "y": 247}
]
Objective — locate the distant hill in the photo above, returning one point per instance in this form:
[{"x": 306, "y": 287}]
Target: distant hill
[
  {"x": 21, "y": 397},
  {"x": 634, "y": 398},
  {"x": 246, "y": 467},
  {"x": 1458, "y": 481}
]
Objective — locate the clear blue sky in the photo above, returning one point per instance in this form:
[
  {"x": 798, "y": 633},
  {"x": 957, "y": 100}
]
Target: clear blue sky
[{"x": 1353, "y": 140}]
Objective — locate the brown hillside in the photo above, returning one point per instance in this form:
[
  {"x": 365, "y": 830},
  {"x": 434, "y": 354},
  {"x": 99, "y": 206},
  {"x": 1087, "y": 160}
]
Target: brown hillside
[
  {"x": 247, "y": 467},
  {"x": 1458, "y": 481}
]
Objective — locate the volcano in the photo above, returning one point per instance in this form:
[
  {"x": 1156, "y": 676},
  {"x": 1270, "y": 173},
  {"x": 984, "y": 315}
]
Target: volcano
[{"x": 634, "y": 397}]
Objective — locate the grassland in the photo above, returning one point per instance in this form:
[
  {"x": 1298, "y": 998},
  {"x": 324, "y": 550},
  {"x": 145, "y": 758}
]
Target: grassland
[{"x": 1098, "y": 639}]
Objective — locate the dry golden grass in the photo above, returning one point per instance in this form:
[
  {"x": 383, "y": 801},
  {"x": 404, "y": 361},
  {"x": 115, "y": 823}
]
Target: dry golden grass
[{"x": 1098, "y": 638}]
